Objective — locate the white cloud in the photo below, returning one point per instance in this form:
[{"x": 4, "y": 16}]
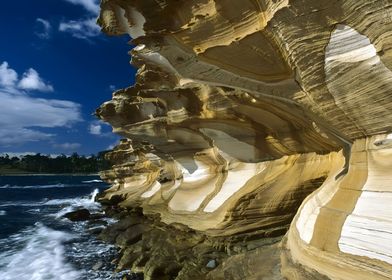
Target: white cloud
[
  {"x": 100, "y": 128},
  {"x": 32, "y": 81},
  {"x": 90, "y": 5},
  {"x": 81, "y": 29},
  {"x": 68, "y": 146},
  {"x": 95, "y": 129},
  {"x": 13, "y": 154},
  {"x": 21, "y": 114},
  {"x": 22, "y": 154},
  {"x": 8, "y": 76},
  {"x": 10, "y": 136},
  {"x": 26, "y": 111},
  {"x": 45, "y": 28}
]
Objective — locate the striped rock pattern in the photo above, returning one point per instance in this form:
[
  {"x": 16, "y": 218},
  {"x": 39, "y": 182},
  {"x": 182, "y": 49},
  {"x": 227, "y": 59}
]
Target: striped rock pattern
[{"x": 251, "y": 119}]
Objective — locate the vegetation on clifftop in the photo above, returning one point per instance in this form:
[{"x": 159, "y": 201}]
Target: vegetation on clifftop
[{"x": 61, "y": 164}]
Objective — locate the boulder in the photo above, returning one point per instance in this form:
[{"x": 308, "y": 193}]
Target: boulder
[{"x": 78, "y": 215}]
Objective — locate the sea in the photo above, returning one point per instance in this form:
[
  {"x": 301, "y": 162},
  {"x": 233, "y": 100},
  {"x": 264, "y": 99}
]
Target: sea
[{"x": 38, "y": 243}]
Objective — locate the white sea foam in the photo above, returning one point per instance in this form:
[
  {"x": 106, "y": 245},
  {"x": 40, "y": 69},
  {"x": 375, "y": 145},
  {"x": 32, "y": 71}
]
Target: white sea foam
[
  {"x": 41, "y": 258},
  {"x": 34, "y": 211},
  {"x": 21, "y": 204},
  {"x": 94, "y": 195},
  {"x": 73, "y": 203},
  {"x": 70, "y": 203},
  {"x": 3, "y": 213},
  {"x": 92, "y": 181}
]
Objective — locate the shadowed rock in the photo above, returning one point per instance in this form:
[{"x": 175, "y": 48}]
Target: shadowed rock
[{"x": 78, "y": 215}]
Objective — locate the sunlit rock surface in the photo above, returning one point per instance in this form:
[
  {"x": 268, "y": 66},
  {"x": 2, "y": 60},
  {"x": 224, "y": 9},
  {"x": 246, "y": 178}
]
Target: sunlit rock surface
[{"x": 249, "y": 121}]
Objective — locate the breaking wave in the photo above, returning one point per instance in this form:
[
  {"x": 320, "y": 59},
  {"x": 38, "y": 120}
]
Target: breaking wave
[
  {"x": 71, "y": 204},
  {"x": 41, "y": 258}
]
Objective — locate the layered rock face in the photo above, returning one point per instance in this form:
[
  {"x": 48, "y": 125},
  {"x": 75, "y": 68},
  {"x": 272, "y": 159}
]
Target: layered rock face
[{"x": 251, "y": 120}]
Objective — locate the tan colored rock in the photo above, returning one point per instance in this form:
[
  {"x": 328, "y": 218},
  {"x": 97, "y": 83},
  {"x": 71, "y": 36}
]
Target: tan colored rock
[
  {"x": 348, "y": 220},
  {"x": 240, "y": 111}
]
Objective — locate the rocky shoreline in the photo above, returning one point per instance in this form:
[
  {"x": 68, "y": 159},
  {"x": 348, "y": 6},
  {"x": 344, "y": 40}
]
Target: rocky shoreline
[{"x": 161, "y": 251}]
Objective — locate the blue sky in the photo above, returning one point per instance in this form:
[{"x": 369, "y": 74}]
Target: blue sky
[{"x": 56, "y": 68}]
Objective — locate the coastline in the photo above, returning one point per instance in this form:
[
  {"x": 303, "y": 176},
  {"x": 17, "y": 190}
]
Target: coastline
[{"x": 49, "y": 174}]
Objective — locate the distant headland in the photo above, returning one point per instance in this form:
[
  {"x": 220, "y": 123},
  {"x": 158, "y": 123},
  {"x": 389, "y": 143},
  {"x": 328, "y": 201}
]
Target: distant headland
[{"x": 46, "y": 164}]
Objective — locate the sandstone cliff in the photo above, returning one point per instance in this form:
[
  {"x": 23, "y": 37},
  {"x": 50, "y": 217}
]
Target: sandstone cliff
[{"x": 251, "y": 120}]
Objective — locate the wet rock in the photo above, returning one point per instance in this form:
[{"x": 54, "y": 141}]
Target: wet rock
[
  {"x": 95, "y": 230},
  {"x": 110, "y": 233},
  {"x": 78, "y": 215},
  {"x": 97, "y": 216},
  {"x": 131, "y": 235},
  {"x": 133, "y": 277},
  {"x": 97, "y": 223}
]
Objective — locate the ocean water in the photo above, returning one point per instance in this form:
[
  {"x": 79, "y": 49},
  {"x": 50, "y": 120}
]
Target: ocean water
[{"x": 36, "y": 243}]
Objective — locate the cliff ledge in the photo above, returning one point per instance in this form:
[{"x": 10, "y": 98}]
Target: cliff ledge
[{"x": 256, "y": 139}]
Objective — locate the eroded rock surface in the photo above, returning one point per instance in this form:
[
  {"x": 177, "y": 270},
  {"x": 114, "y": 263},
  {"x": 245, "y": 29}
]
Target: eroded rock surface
[{"x": 250, "y": 120}]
